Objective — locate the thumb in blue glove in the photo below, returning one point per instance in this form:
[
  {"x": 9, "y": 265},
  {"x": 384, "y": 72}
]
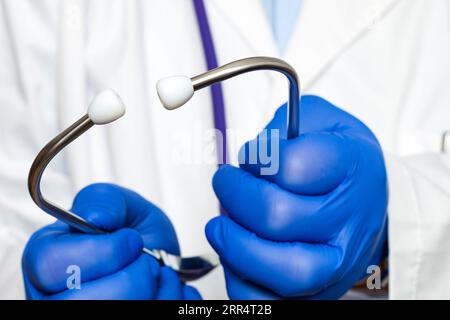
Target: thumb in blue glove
[
  {"x": 112, "y": 265},
  {"x": 311, "y": 229}
]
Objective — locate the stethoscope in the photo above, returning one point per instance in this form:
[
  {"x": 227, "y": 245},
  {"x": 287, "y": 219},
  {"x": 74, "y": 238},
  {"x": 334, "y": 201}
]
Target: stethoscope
[{"x": 173, "y": 92}]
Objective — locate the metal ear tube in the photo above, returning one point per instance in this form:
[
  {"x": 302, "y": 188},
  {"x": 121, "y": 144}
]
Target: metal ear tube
[
  {"x": 175, "y": 91},
  {"x": 105, "y": 108}
]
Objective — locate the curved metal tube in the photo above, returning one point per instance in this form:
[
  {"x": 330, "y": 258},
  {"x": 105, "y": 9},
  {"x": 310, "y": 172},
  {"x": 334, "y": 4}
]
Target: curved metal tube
[
  {"x": 40, "y": 163},
  {"x": 190, "y": 268},
  {"x": 259, "y": 63}
]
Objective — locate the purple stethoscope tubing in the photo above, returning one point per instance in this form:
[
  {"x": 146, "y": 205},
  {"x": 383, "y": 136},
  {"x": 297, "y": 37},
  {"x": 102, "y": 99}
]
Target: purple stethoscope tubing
[{"x": 211, "y": 63}]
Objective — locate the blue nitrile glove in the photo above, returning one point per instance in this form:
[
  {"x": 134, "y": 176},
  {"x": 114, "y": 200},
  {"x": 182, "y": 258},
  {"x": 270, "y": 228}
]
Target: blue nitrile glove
[
  {"x": 310, "y": 230},
  {"x": 112, "y": 266}
]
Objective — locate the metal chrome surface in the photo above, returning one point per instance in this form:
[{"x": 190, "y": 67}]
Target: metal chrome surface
[
  {"x": 238, "y": 67},
  {"x": 188, "y": 268}
]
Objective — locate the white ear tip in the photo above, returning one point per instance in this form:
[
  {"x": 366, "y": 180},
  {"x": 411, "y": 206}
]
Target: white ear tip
[
  {"x": 174, "y": 91},
  {"x": 106, "y": 107}
]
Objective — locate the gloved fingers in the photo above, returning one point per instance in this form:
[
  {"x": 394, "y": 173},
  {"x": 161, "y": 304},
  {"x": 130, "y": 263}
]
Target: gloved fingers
[
  {"x": 111, "y": 207},
  {"x": 170, "y": 286},
  {"x": 50, "y": 253},
  {"x": 101, "y": 204},
  {"x": 137, "y": 281},
  {"x": 239, "y": 289},
  {"x": 289, "y": 269},
  {"x": 312, "y": 164},
  {"x": 335, "y": 291},
  {"x": 190, "y": 293},
  {"x": 155, "y": 227},
  {"x": 31, "y": 293},
  {"x": 316, "y": 115},
  {"x": 271, "y": 212}
]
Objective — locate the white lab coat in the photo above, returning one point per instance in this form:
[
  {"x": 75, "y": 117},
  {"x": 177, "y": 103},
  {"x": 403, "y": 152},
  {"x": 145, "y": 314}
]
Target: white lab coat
[{"x": 385, "y": 61}]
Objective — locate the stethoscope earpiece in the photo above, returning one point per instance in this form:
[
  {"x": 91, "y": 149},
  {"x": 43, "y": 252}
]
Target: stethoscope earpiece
[
  {"x": 106, "y": 107},
  {"x": 174, "y": 91}
]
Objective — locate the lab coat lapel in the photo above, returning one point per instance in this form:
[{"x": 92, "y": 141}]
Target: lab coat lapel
[
  {"x": 326, "y": 29},
  {"x": 250, "y": 22}
]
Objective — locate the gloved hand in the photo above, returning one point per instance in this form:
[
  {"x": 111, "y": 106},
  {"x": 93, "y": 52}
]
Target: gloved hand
[
  {"x": 310, "y": 230},
  {"x": 112, "y": 265}
]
